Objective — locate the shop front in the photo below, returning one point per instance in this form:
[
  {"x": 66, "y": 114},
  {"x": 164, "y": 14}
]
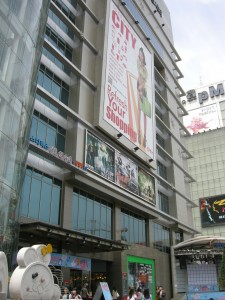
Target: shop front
[{"x": 141, "y": 273}]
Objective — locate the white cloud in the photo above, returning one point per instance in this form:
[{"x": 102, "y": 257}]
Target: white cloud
[{"x": 198, "y": 28}]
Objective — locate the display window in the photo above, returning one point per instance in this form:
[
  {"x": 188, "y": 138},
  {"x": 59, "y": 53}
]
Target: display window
[{"x": 141, "y": 274}]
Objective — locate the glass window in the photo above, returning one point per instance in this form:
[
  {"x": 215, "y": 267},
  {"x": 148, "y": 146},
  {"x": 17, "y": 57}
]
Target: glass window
[
  {"x": 133, "y": 228},
  {"x": 48, "y": 131},
  {"x": 55, "y": 204},
  {"x": 75, "y": 208},
  {"x": 40, "y": 198},
  {"x": 34, "y": 198},
  {"x": 163, "y": 202},
  {"x": 26, "y": 195},
  {"x": 45, "y": 203},
  {"x": 161, "y": 170},
  {"x": 94, "y": 215},
  {"x": 162, "y": 240},
  {"x": 141, "y": 273}
]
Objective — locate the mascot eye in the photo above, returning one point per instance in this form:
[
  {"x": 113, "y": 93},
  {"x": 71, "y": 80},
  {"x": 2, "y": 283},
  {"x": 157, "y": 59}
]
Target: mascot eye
[{"x": 34, "y": 275}]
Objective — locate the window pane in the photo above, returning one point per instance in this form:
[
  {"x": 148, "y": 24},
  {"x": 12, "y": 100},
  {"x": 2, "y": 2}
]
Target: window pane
[
  {"x": 25, "y": 197},
  {"x": 75, "y": 211},
  {"x": 34, "y": 198},
  {"x": 82, "y": 211},
  {"x": 55, "y": 205},
  {"x": 45, "y": 203}
]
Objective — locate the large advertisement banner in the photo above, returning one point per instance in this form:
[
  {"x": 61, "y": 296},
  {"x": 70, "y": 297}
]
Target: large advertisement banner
[
  {"x": 202, "y": 119},
  {"x": 128, "y": 101},
  {"x": 212, "y": 210}
]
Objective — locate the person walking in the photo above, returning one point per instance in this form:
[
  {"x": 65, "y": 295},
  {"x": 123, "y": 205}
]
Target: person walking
[
  {"x": 65, "y": 294},
  {"x": 84, "y": 292},
  {"x": 147, "y": 295},
  {"x": 162, "y": 293},
  {"x": 132, "y": 295},
  {"x": 115, "y": 294}
]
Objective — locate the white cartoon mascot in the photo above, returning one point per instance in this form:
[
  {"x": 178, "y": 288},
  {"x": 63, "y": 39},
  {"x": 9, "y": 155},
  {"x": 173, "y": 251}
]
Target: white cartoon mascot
[{"x": 33, "y": 279}]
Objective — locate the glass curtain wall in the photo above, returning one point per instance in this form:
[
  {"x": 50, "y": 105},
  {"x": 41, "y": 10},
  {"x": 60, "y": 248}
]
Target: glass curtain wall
[{"x": 21, "y": 34}]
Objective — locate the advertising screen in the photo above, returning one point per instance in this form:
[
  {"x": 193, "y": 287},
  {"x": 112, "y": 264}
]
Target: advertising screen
[
  {"x": 212, "y": 210},
  {"x": 128, "y": 95}
]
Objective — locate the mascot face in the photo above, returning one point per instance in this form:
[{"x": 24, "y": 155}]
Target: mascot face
[{"x": 32, "y": 279}]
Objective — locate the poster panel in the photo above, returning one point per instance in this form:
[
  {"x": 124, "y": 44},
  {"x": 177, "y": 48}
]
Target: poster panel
[
  {"x": 100, "y": 157},
  {"x": 128, "y": 97},
  {"x": 212, "y": 210},
  {"x": 202, "y": 119},
  {"x": 146, "y": 186},
  {"x": 126, "y": 173},
  {"x": 65, "y": 260}
]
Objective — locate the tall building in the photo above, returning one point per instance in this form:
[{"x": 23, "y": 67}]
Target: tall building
[
  {"x": 106, "y": 180},
  {"x": 198, "y": 260},
  {"x": 206, "y": 119}
]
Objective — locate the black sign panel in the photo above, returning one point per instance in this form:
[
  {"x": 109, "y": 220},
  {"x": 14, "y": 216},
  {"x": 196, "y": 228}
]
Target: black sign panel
[{"x": 212, "y": 210}]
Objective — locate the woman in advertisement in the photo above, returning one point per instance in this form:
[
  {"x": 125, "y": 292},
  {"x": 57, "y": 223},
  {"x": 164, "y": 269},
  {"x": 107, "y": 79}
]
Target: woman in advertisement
[{"x": 144, "y": 105}]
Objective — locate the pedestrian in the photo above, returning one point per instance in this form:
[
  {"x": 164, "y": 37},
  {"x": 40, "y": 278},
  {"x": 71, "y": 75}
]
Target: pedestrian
[
  {"x": 139, "y": 294},
  {"x": 65, "y": 294},
  {"x": 162, "y": 293},
  {"x": 147, "y": 295},
  {"x": 84, "y": 292},
  {"x": 115, "y": 294},
  {"x": 132, "y": 295}
]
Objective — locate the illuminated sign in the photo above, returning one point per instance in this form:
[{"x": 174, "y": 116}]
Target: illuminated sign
[
  {"x": 212, "y": 210},
  {"x": 129, "y": 93},
  {"x": 204, "y": 95}
]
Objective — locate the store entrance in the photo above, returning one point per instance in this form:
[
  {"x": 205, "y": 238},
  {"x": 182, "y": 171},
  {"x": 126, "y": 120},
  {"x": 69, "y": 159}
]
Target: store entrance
[{"x": 78, "y": 278}]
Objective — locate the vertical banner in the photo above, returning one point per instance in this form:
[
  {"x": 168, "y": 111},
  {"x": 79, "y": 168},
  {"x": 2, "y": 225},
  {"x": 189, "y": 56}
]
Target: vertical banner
[
  {"x": 126, "y": 173},
  {"x": 100, "y": 157},
  {"x": 128, "y": 101},
  {"x": 146, "y": 186}
]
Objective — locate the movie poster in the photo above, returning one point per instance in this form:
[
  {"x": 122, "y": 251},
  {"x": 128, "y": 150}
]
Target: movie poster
[
  {"x": 126, "y": 173},
  {"x": 128, "y": 101},
  {"x": 100, "y": 157},
  {"x": 146, "y": 186}
]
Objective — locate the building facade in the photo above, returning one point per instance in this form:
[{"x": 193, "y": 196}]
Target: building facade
[
  {"x": 198, "y": 260},
  {"x": 205, "y": 122},
  {"x": 106, "y": 179}
]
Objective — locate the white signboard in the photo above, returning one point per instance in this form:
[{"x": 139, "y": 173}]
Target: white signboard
[{"x": 203, "y": 119}]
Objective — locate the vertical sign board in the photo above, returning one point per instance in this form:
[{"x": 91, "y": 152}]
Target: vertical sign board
[
  {"x": 128, "y": 95},
  {"x": 102, "y": 288}
]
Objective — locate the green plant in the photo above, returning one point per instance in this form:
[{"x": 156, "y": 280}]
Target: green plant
[{"x": 222, "y": 272}]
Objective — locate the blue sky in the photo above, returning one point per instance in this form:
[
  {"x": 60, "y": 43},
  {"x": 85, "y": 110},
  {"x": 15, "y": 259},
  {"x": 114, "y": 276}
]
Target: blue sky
[{"x": 199, "y": 38}]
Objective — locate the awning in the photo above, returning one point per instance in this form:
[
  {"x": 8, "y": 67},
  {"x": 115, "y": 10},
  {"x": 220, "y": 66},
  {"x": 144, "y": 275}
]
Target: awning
[
  {"x": 61, "y": 238},
  {"x": 209, "y": 244}
]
